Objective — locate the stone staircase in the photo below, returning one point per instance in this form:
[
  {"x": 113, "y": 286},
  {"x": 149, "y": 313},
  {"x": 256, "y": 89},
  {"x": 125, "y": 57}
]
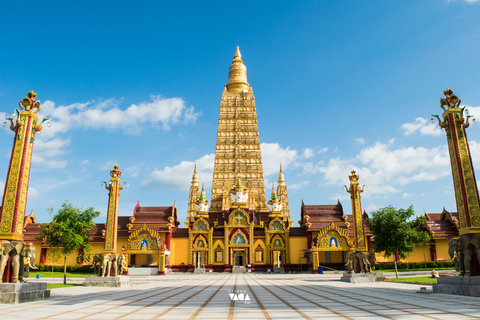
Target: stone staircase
[
  {"x": 199, "y": 270},
  {"x": 239, "y": 269}
]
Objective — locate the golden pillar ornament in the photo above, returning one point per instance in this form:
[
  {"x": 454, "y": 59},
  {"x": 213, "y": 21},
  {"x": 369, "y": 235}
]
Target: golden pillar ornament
[
  {"x": 25, "y": 124},
  {"x": 454, "y": 123},
  {"x": 114, "y": 187},
  {"x": 358, "y": 232}
]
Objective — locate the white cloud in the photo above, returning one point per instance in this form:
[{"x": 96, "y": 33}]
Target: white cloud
[
  {"x": 44, "y": 150},
  {"x": 132, "y": 171},
  {"x": 299, "y": 185},
  {"x": 371, "y": 207},
  {"x": 107, "y": 115},
  {"x": 308, "y": 153},
  {"x": 179, "y": 177},
  {"x": 273, "y": 155},
  {"x": 360, "y": 140},
  {"x": 109, "y": 165},
  {"x": 85, "y": 161},
  {"x": 423, "y": 126},
  {"x": 32, "y": 192},
  {"x": 468, "y": 1},
  {"x": 384, "y": 169}
]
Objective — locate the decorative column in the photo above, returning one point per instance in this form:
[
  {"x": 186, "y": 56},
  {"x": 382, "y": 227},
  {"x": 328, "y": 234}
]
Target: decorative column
[
  {"x": 466, "y": 192},
  {"x": 465, "y": 185},
  {"x": 114, "y": 187},
  {"x": 25, "y": 124},
  {"x": 358, "y": 232}
]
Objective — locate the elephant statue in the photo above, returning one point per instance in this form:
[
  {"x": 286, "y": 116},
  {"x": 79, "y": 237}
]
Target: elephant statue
[
  {"x": 97, "y": 263},
  {"x": 104, "y": 265},
  {"x": 360, "y": 261},
  {"x": 369, "y": 260},
  {"x": 461, "y": 249},
  {"x": 122, "y": 264},
  {"x": 28, "y": 252},
  {"x": 16, "y": 251},
  {"x": 112, "y": 264},
  {"x": 355, "y": 260}
]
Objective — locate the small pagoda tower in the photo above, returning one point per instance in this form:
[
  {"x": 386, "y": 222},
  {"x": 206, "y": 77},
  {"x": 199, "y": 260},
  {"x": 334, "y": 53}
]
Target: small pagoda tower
[
  {"x": 239, "y": 195},
  {"x": 202, "y": 205},
  {"x": 193, "y": 197},
  {"x": 454, "y": 122},
  {"x": 358, "y": 232},
  {"x": 25, "y": 124},
  {"x": 274, "y": 205},
  {"x": 282, "y": 195}
]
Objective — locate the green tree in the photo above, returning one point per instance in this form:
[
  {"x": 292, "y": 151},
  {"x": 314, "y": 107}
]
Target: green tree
[
  {"x": 54, "y": 254},
  {"x": 394, "y": 231},
  {"x": 69, "y": 231}
]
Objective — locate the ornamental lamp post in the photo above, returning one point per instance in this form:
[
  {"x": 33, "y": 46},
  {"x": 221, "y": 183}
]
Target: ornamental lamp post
[
  {"x": 26, "y": 124},
  {"x": 455, "y": 121}
]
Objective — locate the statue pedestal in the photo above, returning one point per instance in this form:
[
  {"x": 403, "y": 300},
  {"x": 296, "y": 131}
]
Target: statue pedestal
[
  {"x": 119, "y": 281},
  {"x": 13, "y": 293},
  {"x": 362, "y": 277},
  {"x": 465, "y": 286}
]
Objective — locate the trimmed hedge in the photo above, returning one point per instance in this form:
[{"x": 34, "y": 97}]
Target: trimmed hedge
[
  {"x": 59, "y": 268},
  {"x": 414, "y": 265}
]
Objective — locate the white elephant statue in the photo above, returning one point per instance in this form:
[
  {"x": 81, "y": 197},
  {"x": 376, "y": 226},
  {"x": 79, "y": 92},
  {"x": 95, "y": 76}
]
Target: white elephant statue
[{"x": 17, "y": 251}]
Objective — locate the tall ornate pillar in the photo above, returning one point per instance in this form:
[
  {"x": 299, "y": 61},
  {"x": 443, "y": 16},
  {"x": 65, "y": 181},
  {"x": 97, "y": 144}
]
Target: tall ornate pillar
[
  {"x": 114, "y": 187},
  {"x": 358, "y": 232},
  {"x": 25, "y": 124},
  {"x": 466, "y": 192}
]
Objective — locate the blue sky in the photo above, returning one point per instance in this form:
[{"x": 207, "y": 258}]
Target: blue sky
[{"x": 339, "y": 85}]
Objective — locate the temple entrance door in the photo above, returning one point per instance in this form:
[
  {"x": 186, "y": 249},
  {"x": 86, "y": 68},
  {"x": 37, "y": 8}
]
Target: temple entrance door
[
  {"x": 239, "y": 258},
  {"x": 200, "y": 259},
  {"x": 277, "y": 258}
]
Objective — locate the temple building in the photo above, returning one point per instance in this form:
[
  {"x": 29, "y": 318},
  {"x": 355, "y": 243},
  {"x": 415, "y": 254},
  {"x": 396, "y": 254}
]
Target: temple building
[{"x": 239, "y": 229}]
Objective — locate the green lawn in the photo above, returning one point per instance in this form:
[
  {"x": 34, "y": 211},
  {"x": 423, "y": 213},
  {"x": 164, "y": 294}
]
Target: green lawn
[
  {"x": 419, "y": 280},
  {"x": 49, "y": 274},
  {"x": 60, "y": 285},
  {"x": 408, "y": 270}
]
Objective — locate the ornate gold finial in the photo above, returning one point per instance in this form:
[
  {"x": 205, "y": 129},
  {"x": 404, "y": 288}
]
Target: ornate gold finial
[
  {"x": 115, "y": 173},
  {"x": 29, "y": 102},
  {"x": 237, "y": 74},
  {"x": 451, "y": 100},
  {"x": 237, "y": 55},
  {"x": 195, "y": 177},
  {"x": 354, "y": 177},
  {"x": 281, "y": 177}
]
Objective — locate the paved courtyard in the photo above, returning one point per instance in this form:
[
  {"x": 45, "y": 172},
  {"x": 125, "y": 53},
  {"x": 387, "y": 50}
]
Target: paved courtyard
[{"x": 247, "y": 296}]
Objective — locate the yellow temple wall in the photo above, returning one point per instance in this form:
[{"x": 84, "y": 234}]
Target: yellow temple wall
[
  {"x": 296, "y": 244},
  {"x": 417, "y": 255},
  {"x": 441, "y": 246},
  {"x": 179, "y": 251}
]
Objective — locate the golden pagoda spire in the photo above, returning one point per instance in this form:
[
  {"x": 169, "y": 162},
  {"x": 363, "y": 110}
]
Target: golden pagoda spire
[
  {"x": 237, "y": 74},
  {"x": 195, "y": 177},
  {"x": 281, "y": 177}
]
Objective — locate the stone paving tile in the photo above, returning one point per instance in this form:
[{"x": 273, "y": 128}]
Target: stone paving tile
[{"x": 144, "y": 301}]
